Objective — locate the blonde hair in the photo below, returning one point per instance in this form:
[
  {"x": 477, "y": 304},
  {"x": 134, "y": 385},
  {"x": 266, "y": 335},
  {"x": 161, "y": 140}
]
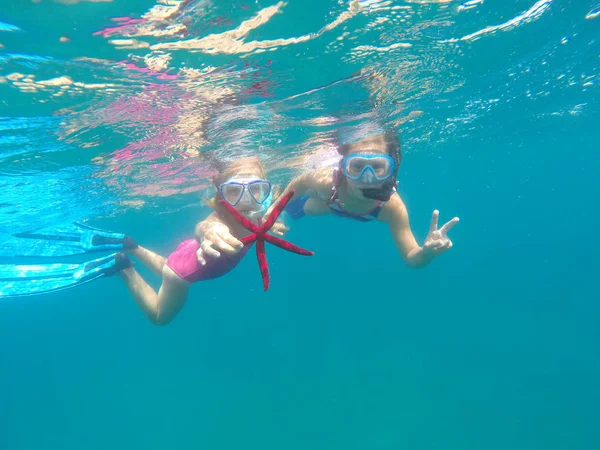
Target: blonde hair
[{"x": 241, "y": 166}]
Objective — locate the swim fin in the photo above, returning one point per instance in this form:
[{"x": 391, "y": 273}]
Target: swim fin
[
  {"x": 64, "y": 240},
  {"x": 22, "y": 280}
]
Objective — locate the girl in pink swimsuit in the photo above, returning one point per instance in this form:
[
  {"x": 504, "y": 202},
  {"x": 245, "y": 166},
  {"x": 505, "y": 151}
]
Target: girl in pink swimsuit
[{"x": 244, "y": 186}]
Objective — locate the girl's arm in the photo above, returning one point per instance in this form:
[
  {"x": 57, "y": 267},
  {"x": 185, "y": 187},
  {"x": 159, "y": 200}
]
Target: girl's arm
[
  {"x": 317, "y": 180},
  {"x": 395, "y": 215},
  {"x": 437, "y": 242}
]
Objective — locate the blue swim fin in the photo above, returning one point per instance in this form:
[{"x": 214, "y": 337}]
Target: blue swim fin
[
  {"x": 22, "y": 280},
  {"x": 63, "y": 240}
]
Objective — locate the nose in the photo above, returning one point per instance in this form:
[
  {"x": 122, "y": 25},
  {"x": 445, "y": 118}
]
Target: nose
[
  {"x": 245, "y": 199},
  {"x": 368, "y": 176}
]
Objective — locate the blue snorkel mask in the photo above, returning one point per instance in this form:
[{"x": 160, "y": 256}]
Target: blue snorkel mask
[
  {"x": 372, "y": 168},
  {"x": 375, "y": 169},
  {"x": 249, "y": 195},
  {"x": 368, "y": 167}
]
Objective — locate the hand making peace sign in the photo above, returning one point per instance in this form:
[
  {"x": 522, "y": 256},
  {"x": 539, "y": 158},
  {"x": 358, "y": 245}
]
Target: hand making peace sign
[{"x": 437, "y": 242}]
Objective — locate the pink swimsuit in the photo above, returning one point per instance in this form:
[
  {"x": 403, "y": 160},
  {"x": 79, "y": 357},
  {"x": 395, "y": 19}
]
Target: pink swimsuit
[{"x": 184, "y": 262}]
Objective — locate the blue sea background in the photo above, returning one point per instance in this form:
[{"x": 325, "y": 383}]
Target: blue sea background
[{"x": 496, "y": 345}]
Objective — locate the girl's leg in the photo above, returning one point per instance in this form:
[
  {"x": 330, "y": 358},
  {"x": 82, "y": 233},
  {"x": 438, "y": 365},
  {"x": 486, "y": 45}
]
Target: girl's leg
[
  {"x": 152, "y": 260},
  {"x": 160, "y": 308}
]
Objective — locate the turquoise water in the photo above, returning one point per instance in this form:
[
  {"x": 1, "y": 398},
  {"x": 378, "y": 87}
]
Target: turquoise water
[{"x": 496, "y": 345}]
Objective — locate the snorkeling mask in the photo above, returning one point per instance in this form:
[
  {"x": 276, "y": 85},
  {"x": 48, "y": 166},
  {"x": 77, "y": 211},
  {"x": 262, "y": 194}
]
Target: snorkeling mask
[
  {"x": 249, "y": 195},
  {"x": 372, "y": 168},
  {"x": 357, "y": 167}
]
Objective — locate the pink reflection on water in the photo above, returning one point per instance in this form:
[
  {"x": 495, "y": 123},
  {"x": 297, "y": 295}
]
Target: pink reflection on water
[
  {"x": 161, "y": 162},
  {"x": 126, "y": 27},
  {"x": 160, "y": 75},
  {"x": 164, "y": 120}
]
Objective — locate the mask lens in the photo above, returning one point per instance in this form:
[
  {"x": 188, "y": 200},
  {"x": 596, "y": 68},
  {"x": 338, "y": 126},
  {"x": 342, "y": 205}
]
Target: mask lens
[
  {"x": 232, "y": 193},
  {"x": 381, "y": 167},
  {"x": 355, "y": 166},
  {"x": 259, "y": 190}
]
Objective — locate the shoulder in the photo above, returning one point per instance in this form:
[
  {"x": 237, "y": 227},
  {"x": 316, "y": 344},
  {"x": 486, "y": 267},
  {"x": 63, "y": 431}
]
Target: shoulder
[
  {"x": 394, "y": 211},
  {"x": 318, "y": 179}
]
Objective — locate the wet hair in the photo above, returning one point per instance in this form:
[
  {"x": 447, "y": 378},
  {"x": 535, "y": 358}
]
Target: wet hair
[{"x": 228, "y": 169}]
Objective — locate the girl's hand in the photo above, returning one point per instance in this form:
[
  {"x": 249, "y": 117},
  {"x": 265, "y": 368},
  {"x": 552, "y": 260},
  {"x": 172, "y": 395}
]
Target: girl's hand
[
  {"x": 279, "y": 229},
  {"x": 216, "y": 238},
  {"x": 437, "y": 241}
]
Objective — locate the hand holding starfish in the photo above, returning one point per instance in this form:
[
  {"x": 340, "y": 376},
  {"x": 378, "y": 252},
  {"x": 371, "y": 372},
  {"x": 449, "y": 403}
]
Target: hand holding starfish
[{"x": 260, "y": 236}]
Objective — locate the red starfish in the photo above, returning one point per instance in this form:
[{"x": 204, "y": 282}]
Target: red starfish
[{"x": 259, "y": 235}]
